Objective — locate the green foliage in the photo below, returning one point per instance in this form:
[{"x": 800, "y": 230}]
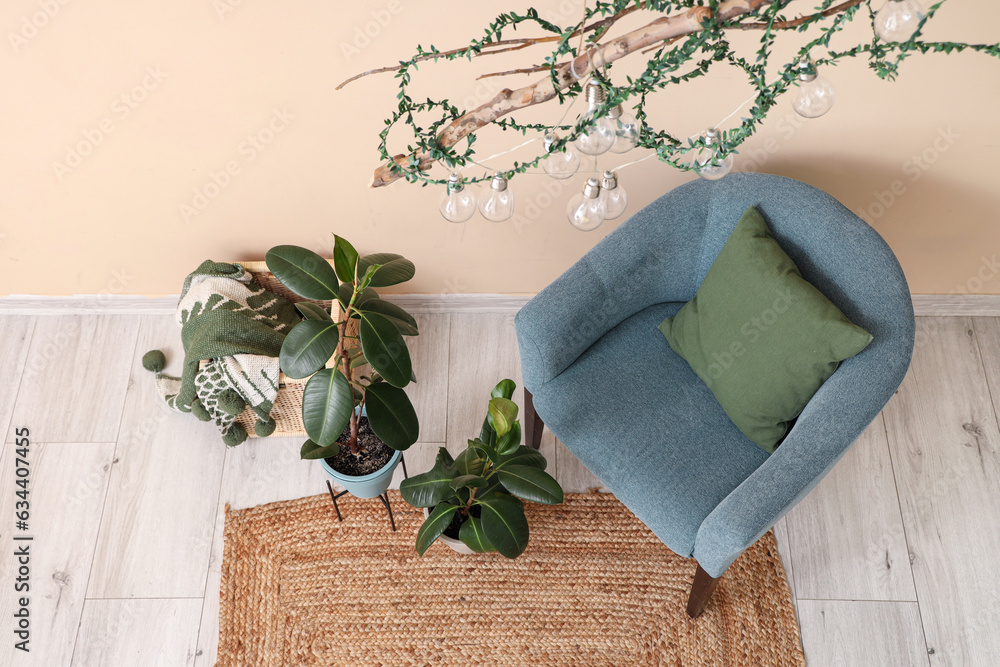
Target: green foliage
[
  {"x": 485, "y": 485},
  {"x": 333, "y": 397},
  {"x": 311, "y": 451},
  {"x": 307, "y": 347},
  {"x": 327, "y": 406},
  {"x": 689, "y": 58},
  {"x": 303, "y": 271}
]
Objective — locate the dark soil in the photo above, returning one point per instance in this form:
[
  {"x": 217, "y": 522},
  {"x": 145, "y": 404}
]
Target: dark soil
[
  {"x": 457, "y": 521},
  {"x": 373, "y": 456}
]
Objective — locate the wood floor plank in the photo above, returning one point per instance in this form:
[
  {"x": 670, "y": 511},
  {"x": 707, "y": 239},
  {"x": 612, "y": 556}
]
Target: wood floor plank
[
  {"x": 842, "y": 633},
  {"x": 429, "y": 394},
  {"x": 15, "y": 332},
  {"x": 67, "y": 483},
  {"x": 75, "y": 377},
  {"x": 846, "y": 537},
  {"x": 151, "y": 633},
  {"x": 988, "y": 336},
  {"x": 945, "y": 449},
  {"x": 483, "y": 352},
  {"x": 159, "y": 519}
]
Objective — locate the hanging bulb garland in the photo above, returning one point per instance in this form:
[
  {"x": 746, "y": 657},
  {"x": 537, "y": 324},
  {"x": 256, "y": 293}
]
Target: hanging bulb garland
[
  {"x": 458, "y": 204},
  {"x": 560, "y": 164},
  {"x": 614, "y": 196},
  {"x": 627, "y": 130},
  {"x": 898, "y": 20},
  {"x": 498, "y": 204},
  {"x": 587, "y": 210},
  {"x": 600, "y": 134},
  {"x": 815, "y": 95},
  {"x": 706, "y": 161}
]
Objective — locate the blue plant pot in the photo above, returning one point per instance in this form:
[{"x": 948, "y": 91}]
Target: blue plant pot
[{"x": 366, "y": 486}]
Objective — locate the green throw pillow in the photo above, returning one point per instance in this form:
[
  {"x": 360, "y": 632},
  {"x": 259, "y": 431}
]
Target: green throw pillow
[{"x": 762, "y": 338}]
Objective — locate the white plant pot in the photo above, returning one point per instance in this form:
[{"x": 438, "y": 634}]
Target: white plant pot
[{"x": 457, "y": 546}]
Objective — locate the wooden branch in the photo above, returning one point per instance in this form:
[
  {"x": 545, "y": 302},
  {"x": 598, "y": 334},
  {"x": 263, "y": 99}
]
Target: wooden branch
[
  {"x": 566, "y": 74},
  {"x": 511, "y": 44},
  {"x": 523, "y": 70},
  {"x": 794, "y": 23}
]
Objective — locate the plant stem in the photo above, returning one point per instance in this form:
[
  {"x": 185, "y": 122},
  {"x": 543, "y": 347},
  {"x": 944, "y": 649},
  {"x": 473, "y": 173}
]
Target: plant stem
[{"x": 352, "y": 442}]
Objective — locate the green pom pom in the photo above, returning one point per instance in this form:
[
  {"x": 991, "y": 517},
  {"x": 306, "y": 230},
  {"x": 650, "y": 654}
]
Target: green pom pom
[
  {"x": 231, "y": 403},
  {"x": 235, "y": 435},
  {"x": 264, "y": 429},
  {"x": 154, "y": 361},
  {"x": 199, "y": 411}
]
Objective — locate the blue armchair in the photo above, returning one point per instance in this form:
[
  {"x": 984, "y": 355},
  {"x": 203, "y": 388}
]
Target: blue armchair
[{"x": 600, "y": 374}]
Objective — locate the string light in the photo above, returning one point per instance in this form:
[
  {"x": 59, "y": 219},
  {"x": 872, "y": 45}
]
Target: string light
[
  {"x": 627, "y": 130},
  {"x": 560, "y": 164},
  {"x": 898, "y": 20},
  {"x": 601, "y": 132},
  {"x": 815, "y": 95},
  {"x": 584, "y": 213},
  {"x": 498, "y": 204},
  {"x": 586, "y": 210},
  {"x": 614, "y": 196},
  {"x": 458, "y": 204},
  {"x": 706, "y": 160}
]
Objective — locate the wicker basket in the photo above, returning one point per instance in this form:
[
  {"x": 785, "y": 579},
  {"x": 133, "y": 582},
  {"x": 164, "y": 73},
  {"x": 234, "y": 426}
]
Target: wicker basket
[{"x": 287, "y": 410}]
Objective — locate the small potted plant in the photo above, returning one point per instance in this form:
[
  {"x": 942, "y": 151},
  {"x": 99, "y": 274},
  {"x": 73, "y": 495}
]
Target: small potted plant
[
  {"x": 357, "y": 424},
  {"x": 474, "y": 502}
]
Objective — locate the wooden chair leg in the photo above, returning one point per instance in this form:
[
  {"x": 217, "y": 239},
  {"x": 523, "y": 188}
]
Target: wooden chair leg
[
  {"x": 532, "y": 423},
  {"x": 702, "y": 589}
]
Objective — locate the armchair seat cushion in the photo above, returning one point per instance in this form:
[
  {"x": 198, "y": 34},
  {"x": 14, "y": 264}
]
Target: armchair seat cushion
[{"x": 639, "y": 418}]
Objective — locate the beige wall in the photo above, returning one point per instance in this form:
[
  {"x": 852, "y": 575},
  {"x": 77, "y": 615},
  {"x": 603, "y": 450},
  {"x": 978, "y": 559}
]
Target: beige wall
[{"x": 161, "y": 96}]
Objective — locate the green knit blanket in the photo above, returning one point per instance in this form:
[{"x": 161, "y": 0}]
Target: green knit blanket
[{"x": 237, "y": 327}]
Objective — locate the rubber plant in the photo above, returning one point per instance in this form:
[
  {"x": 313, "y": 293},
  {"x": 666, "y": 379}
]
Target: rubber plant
[
  {"x": 485, "y": 485},
  {"x": 333, "y": 397}
]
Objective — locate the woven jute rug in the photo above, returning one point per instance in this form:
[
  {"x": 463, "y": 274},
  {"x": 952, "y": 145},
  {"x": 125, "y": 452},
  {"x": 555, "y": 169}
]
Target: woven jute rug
[{"x": 595, "y": 588}]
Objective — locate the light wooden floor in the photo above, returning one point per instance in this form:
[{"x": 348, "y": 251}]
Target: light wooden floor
[{"x": 892, "y": 559}]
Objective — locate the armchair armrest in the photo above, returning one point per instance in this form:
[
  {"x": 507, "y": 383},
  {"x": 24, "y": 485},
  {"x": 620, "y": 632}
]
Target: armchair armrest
[{"x": 839, "y": 412}]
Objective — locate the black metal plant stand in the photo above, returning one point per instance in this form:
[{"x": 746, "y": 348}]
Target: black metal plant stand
[{"x": 384, "y": 497}]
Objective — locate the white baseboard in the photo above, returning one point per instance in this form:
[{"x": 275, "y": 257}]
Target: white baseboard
[
  {"x": 956, "y": 305},
  {"x": 121, "y": 304},
  {"x": 928, "y": 305}
]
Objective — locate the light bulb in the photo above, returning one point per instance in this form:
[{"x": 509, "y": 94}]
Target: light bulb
[
  {"x": 815, "y": 95},
  {"x": 898, "y": 20},
  {"x": 458, "y": 204},
  {"x": 586, "y": 211},
  {"x": 560, "y": 164},
  {"x": 706, "y": 161},
  {"x": 627, "y": 129},
  {"x": 599, "y": 134},
  {"x": 614, "y": 196},
  {"x": 498, "y": 205}
]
